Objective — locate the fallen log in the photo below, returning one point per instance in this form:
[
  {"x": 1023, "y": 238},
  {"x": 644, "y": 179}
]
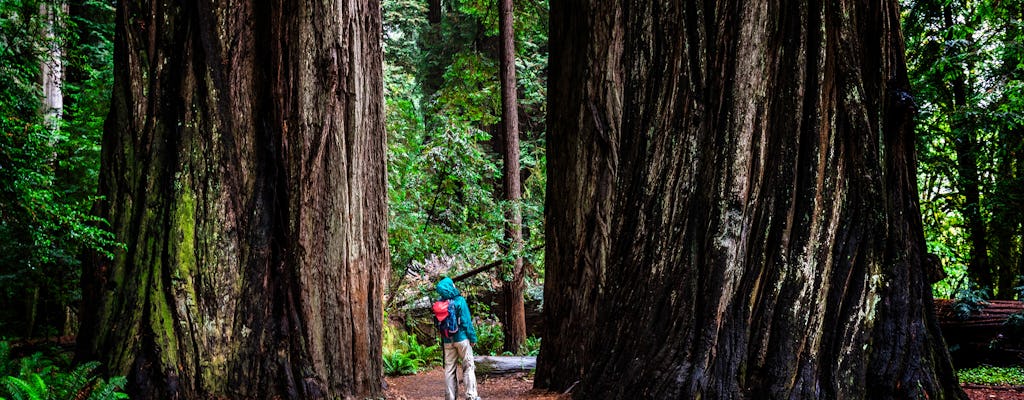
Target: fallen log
[
  {"x": 989, "y": 335},
  {"x": 498, "y": 365}
]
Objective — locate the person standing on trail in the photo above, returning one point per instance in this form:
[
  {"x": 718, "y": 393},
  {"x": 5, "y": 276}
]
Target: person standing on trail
[{"x": 458, "y": 337}]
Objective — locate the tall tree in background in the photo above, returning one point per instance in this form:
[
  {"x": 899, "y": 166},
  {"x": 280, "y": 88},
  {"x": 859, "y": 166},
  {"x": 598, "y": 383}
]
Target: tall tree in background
[
  {"x": 966, "y": 71},
  {"x": 732, "y": 205},
  {"x": 964, "y": 136},
  {"x": 514, "y": 321},
  {"x": 445, "y": 142},
  {"x": 51, "y": 68},
  {"x": 243, "y": 168}
]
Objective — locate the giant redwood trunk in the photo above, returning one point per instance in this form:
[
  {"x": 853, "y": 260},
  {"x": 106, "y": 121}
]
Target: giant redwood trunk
[
  {"x": 243, "y": 169},
  {"x": 732, "y": 208}
]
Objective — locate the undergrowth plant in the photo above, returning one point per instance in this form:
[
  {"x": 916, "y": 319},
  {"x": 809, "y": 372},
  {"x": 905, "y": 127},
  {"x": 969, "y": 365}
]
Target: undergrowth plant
[
  {"x": 490, "y": 338},
  {"x": 410, "y": 357},
  {"x": 399, "y": 363},
  {"x": 42, "y": 377},
  {"x": 531, "y": 347},
  {"x": 427, "y": 355},
  {"x": 989, "y": 375}
]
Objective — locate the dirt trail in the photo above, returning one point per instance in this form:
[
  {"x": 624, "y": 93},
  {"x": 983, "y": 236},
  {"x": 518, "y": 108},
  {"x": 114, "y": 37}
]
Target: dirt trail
[{"x": 429, "y": 385}]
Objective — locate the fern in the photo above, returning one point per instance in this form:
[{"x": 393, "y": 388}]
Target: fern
[
  {"x": 426, "y": 355},
  {"x": 106, "y": 390},
  {"x": 32, "y": 389},
  {"x": 969, "y": 302},
  {"x": 35, "y": 364},
  {"x": 75, "y": 383},
  {"x": 39, "y": 378},
  {"x": 398, "y": 363}
]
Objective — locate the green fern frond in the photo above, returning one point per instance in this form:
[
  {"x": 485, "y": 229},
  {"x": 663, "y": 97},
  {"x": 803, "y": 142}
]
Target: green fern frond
[
  {"x": 76, "y": 382},
  {"x": 32, "y": 389},
  {"x": 107, "y": 390}
]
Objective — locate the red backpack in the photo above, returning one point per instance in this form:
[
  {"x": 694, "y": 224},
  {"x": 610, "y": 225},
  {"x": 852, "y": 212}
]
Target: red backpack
[{"x": 447, "y": 317}]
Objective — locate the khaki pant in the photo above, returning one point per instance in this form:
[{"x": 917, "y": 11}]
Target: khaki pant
[{"x": 459, "y": 355}]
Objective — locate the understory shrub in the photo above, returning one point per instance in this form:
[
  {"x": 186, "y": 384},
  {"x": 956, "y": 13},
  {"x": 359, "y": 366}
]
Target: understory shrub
[
  {"x": 989, "y": 375},
  {"x": 410, "y": 356},
  {"x": 52, "y": 377}
]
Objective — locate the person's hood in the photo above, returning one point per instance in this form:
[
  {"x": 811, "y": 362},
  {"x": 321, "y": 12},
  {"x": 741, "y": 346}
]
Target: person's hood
[{"x": 446, "y": 288}]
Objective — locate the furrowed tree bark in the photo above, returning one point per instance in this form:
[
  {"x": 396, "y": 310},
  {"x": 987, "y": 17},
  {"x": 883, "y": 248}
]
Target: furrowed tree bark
[
  {"x": 584, "y": 84},
  {"x": 243, "y": 169},
  {"x": 514, "y": 319},
  {"x": 732, "y": 205}
]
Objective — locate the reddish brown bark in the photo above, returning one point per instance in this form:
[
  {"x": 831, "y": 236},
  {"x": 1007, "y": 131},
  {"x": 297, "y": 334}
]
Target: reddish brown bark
[
  {"x": 732, "y": 207},
  {"x": 514, "y": 320},
  {"x": 243, "y": 169}
]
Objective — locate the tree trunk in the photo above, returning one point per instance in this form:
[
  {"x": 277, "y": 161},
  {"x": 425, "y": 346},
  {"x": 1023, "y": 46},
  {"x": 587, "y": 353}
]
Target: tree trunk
[
  {"x": 514, "y": 321},
  {"x": 432, "y": 65},
  {"x": 243, "y": 169},
  {"x": 1007, "y": 220},
  {"x": 966, "y": 147},
  {"x": 51, "y": 66},
  {"x": 732, "y": 205}
]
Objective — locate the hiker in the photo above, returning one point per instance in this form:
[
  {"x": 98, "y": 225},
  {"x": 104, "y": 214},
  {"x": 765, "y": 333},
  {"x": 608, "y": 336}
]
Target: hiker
[{"x": 457, "y": 334}]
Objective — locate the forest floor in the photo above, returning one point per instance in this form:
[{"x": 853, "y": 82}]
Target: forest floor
[
  {"x": 985, "y": 392},
  {"x": 429, "y": 385}
]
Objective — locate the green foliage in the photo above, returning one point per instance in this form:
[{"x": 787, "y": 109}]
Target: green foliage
[
  {"x": 442, "y": 108},
  {"x": 399, "y": 363},
  {"x": 410, "y": 356},
  {"x": 989, "y": 375},
  {"x": 1014, "y": 326},
  {"x": 490, "y": 338},
  {"x": 964, "y": 60},
  {"x": 969, "y": 301},
  {"x": 426, "y": 355},
  {"x": 531, "y": 347},
  {"x": 48, "y": 173},
  {"x": 40, "y": 377}
]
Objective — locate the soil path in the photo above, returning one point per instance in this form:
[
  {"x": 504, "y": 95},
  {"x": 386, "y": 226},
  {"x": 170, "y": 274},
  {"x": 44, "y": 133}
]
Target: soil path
[
  {"x": 429, "y": 385},
  {"x": 983, "y": 392}
]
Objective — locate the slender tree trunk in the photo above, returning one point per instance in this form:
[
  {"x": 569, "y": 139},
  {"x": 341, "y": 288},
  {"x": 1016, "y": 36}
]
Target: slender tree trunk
[
  {"x": 1007, "y": 220},
  {"x": 434, "y": 57},
  {"x": 514, "y": 320},
  {"x": 32, "y": 312},
  {"x": 51, "y": 68},
  {"x": 52, "y": 64},
  {"x": 243, "y": 169},
  {"x": 966, "y": 147},
  {"x": 732, "y": 205}
]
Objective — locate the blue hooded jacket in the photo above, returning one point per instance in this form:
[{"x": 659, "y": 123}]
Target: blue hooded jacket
[{"x": 446, "y": 289}]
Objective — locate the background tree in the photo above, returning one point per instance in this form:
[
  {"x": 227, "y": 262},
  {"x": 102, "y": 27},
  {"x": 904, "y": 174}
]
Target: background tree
[
  {"x": 965, "y": 64},
  {"x": 732, "y": 205},
  {"x": 49, "y": 161},
  {"x": 445, "y": 144},
  {"x": 515, "y": 316},
  {"x": 243, "y": 168}
]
